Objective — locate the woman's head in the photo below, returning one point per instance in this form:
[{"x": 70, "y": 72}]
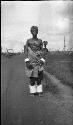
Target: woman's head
[{"x": 34, "y": 30}]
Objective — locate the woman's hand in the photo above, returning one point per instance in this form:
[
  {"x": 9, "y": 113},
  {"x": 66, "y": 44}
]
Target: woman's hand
[
  {"x": 28, "y": 65},
  {"x": 42, "y": 61},
  {"x": 27, "y": 60}
]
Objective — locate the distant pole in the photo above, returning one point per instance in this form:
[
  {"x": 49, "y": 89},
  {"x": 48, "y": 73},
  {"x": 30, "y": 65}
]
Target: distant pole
[
  {"x": 1, "y": 49},
  {"x": 64, "y": 43}
]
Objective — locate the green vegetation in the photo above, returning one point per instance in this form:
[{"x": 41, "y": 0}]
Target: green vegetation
[{"x": 60, "y": 64}]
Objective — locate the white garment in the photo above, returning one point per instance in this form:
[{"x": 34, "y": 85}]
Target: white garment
[
  {"x": 32, "y": 89},
  {"x": 39, "y": 88}
]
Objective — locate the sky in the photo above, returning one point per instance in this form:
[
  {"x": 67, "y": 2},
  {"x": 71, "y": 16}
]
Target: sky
[{"x": 53, "y": 18}]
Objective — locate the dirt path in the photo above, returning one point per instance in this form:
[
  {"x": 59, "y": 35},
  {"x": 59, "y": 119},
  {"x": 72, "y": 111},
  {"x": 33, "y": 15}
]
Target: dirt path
[{"x": 19, "y": 108}]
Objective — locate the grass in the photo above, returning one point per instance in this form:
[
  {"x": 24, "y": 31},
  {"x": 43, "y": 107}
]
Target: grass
[
  {"x": 61, "y": 66},
  {"x": 58, "y": 64}
]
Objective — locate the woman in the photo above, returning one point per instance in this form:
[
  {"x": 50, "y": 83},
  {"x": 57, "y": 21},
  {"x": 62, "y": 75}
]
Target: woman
[{"x": 34, "y": 62}]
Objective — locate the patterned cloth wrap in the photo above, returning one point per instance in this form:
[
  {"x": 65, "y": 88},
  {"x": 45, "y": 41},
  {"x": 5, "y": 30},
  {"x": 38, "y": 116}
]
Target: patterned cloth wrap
[{"x": 35, "y": 64}]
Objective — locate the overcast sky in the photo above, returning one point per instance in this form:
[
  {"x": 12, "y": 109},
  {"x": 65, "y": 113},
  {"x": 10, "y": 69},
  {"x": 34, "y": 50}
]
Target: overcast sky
[{"x": 53, "y": 18}]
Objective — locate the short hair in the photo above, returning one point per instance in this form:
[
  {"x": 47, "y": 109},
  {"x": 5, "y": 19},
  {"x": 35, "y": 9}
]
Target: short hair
[{"x": 34, "y": 27}]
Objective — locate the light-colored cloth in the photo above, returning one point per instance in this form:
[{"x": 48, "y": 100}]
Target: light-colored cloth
[{"x": 33, "y": 57}]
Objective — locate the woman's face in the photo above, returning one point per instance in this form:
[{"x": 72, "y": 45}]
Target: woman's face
[{"x": 34, "y": 31}]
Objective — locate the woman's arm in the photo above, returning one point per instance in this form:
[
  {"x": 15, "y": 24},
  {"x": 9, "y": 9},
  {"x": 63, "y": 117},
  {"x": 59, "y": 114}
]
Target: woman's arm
[{"x": 26, "y": 50}]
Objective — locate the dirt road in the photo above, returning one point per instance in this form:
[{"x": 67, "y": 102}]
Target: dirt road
[{"x": 55, "y": 107}]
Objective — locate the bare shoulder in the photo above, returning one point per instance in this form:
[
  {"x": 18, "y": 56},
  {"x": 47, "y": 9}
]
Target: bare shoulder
[
  {"x": 40, "y": 40},
  {"x": 29, "y": 40}
]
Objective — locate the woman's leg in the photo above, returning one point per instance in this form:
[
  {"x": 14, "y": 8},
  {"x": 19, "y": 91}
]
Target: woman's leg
[
  {"x": 39, "y": 84},
  {"x": 32, "y": 81},
  {"x": 32, "y": 85}
]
